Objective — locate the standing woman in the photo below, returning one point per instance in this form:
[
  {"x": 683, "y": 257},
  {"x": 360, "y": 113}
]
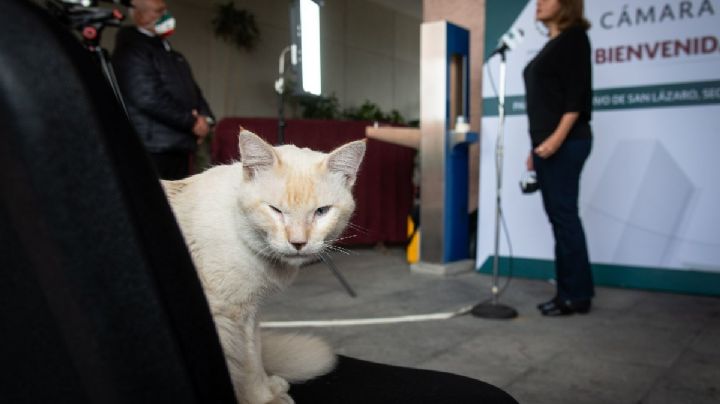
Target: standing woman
[{"x": 558, "y": 85}]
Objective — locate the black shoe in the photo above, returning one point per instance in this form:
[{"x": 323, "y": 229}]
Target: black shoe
[
  {"x": 549, "y": 304},
  {"x": 557, "y": 307}
]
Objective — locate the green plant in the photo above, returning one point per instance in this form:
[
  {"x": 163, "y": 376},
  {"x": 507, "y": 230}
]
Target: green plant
[
  {"x": 319, "y": 107},
  {"x": 236, "y": 26},
  {"x": 322, "y": 107},
  {"x": 369, "y": 111},
  {"x": 396, "y": 118}
]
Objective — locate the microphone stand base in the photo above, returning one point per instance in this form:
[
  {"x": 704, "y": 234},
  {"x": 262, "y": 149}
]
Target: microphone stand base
[{"x": 494, "y": 310}]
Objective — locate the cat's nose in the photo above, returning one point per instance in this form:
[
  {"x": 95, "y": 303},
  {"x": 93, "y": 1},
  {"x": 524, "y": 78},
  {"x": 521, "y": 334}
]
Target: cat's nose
[{"x": 298, "y": 246}]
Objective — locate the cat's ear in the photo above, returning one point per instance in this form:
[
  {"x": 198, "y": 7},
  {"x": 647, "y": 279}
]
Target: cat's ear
[
  {"x": 346, "y": 160},
  {"x": 255, "y": 153}
]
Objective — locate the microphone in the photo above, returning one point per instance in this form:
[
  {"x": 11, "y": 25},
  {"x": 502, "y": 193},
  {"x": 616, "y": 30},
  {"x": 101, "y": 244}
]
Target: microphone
[{"x": 509, "y": 41}]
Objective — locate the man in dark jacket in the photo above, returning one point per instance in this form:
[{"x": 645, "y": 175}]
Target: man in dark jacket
[{"x": 165, "y": 104}]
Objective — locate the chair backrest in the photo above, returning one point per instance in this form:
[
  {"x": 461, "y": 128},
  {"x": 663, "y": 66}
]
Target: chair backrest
[{"x": 99, "y": 300}]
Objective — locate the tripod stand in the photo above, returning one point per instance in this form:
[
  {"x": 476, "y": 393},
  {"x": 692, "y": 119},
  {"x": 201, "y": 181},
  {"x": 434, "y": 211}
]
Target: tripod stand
[
  {"x": 90, "y": 23},
  {"x": 106, "y": 66}
]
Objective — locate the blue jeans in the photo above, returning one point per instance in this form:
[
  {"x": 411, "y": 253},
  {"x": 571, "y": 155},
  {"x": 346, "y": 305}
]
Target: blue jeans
[{"x": 559, "y": 179}]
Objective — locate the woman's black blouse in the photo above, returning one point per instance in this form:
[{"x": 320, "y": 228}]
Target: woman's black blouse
[{"x": 559, "y": 80}]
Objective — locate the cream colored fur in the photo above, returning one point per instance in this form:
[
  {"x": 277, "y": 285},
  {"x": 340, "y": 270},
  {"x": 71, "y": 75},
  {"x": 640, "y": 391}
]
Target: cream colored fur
[{"x": 249, "y": 226}]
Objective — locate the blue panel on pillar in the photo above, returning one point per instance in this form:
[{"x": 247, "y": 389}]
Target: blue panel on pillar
[{"x": 456, "y": 242}]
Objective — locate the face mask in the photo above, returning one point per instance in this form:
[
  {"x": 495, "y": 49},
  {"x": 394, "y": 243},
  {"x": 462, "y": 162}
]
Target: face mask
[{"x": 165, "y": 26}]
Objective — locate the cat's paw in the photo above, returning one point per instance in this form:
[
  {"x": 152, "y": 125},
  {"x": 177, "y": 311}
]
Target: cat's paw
[
  {"x": 272, "y": 390},
  {"x": 277, "y": 385},
  {"x": 284, "y": 398}
]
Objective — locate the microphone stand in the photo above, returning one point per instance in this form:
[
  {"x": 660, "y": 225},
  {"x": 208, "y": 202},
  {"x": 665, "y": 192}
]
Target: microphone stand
[
  {"x": 492, "y": 308},
  {"x": 280, "y": 87}
]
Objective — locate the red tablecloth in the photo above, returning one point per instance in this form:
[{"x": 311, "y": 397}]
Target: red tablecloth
[{"x": 383, "y": 190}]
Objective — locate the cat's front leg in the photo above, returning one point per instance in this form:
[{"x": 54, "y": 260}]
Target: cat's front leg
[
  {"x": 243, "y": 350},
  {"x": 277, "y": 386},
  {"x": 238, "y": 339}
]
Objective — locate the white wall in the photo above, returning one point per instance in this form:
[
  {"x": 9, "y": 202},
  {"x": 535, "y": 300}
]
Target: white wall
[{"x": 369, "y": 52}]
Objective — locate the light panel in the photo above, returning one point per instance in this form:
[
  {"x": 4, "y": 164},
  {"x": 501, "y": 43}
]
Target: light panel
[{"x": 310, "y": 46}]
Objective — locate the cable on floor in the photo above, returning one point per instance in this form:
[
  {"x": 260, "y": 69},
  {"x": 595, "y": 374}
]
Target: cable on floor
[{"x": 366, "y": 321}]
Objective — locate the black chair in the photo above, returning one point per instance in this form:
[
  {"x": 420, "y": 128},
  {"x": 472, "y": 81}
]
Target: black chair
[{"x": 99, "y": 300}]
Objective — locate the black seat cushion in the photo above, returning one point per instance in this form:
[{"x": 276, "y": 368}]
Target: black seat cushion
[{"x": 356, "y": 381}]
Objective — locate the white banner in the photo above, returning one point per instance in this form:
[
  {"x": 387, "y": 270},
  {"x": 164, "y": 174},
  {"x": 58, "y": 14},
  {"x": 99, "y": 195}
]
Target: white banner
[{"x": 649, "y": 191}]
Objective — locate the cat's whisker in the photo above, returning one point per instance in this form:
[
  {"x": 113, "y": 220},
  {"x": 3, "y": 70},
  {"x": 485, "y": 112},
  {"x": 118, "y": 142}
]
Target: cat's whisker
[
  {"x": 357, "y": 228},
  {"x": 325, "y": 257},
  {"x": 328, "y": 244},
  {"x": 343, "y": 238},
  {"x": 338, "y": 249},
  {"x": 340, "y": 238},
  {"x": 269, "y": 254},
  {"x": 334, "y": 250},
  {"x": 261, "y": 252},
  {"x": 326, "y": 248},
  {"x": 352, "y": 230},
  {"x": 276, "y": 256}
]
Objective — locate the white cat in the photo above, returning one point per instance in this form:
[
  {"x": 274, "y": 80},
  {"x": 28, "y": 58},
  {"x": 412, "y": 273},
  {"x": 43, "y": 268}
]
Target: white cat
[{"x": 249, "y": 226}]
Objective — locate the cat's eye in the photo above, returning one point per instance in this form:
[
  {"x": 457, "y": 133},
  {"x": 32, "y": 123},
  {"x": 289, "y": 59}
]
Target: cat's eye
[
  {"x": 322, "y": 210},
  {"x": 275, "y": 209}
]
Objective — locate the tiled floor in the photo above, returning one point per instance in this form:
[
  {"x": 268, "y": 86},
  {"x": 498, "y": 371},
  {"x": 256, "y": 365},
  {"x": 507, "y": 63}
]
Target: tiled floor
[{"x": 634, "y": 347}]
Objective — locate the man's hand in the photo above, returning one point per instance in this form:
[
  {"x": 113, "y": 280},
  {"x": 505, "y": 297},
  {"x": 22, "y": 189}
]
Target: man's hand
[{"x": 201, "y": 128}]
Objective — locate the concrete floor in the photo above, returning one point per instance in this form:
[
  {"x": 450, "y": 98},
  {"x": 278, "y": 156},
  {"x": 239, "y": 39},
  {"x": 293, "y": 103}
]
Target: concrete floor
[{"x": 634, "y": 347}]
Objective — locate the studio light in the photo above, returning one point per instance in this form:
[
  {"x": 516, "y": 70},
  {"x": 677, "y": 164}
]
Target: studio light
[
  {"x": 305, "y": 20},
  {"x": 304, "y": 50}
]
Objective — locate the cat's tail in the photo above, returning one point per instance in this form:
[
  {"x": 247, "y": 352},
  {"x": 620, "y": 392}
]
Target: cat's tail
[{"x": 296, "y": 357}]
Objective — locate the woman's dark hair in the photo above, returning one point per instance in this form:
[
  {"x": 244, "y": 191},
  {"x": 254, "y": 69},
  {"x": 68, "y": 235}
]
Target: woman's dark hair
[{"x": 572, "y": 14}]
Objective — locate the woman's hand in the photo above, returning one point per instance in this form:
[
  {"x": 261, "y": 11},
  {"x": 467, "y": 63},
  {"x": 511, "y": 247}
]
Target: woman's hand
[
  {"x": 556, "y": 139},
  {"x": 549, "y": 146}
]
